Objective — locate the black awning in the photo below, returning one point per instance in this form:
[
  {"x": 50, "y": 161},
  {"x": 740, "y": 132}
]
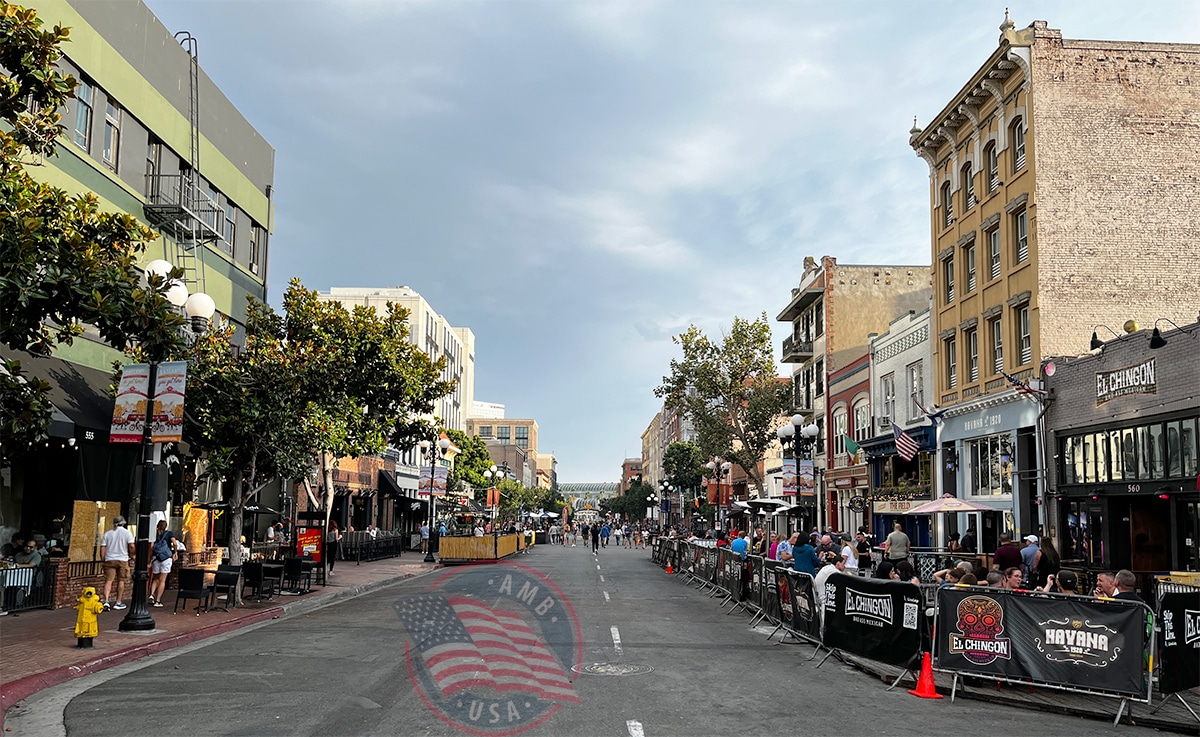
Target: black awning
[{"x": 79, "y": 392}]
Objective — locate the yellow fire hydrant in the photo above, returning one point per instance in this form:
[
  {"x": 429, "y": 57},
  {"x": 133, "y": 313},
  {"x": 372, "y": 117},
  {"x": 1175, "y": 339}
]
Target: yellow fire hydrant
[{"x": 87, "y": 625}]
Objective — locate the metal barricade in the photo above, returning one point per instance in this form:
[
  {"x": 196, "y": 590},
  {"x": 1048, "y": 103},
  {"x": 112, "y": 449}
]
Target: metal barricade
[{"x": 28, "y": 588}]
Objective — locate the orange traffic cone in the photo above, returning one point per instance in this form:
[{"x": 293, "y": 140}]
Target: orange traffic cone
[
  {"x": 925, "y": 686},
  {"x": 669, "y": 569}
]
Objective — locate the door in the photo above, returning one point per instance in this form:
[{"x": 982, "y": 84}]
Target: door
[{"x": 1150, "y": 534}]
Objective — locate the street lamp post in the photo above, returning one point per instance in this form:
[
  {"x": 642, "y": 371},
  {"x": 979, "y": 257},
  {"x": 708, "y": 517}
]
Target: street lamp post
[
  {"x": 494, "y": 474},
  {"x": 801, "y": 438},
  {"x": 666, "y": 489},
  {"x": 435, "y": 451},
  {"x": 651, "y": 500},
  {"x": 719, "y": 467},
  {"x": 199, "y": 308}
]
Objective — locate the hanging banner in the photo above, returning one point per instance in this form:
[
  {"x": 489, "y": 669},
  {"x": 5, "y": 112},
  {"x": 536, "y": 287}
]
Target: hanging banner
[
  {"x": 804, "y": 477},
  {"x": 166, "y": 424},
  {"x": 441, "y": 477},
  {"x": 1064, "y": 641},
  {"x": 424, "y": 480},
  {"x": 129, "y": 409},
  {"x": 789, "y": 477},
  {"x": 806, "y": 617},
  {"x": 1179, "y": 614},
  {"x": 879, "y": 620}
]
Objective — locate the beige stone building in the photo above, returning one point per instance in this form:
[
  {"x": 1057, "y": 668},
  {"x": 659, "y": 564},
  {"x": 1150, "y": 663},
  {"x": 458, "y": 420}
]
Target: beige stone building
[
  {"x": 832, "y": 312},
  {"x": 522, "y": 433},
  {"x": 1060, "y": 181}
]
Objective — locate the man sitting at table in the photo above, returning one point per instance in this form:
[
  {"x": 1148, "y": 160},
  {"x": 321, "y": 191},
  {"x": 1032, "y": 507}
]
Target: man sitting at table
[{"x": 28, "y": 556}]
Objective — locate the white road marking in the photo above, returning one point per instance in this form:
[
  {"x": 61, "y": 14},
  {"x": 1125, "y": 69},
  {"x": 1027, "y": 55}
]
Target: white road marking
[
  {"x": 601, "y": 581},
  {"x": 635, "y": 728},
  {"x": 597, "y": 566},
  {"x": 605, "y": 595},
  {"x": 616, "y": 635}
]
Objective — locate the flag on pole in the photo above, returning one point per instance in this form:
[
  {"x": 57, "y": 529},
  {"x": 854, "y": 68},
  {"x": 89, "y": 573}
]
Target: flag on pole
[
  {"x": 1022, "y": 387},
  {"x": 906, "y": 447},
  {"x": 852, "y": 447}
]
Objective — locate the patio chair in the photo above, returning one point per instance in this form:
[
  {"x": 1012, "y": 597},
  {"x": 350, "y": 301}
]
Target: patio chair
[
  {"x": 227, "y": 582},
  {"x": 254, "y": 579},
  {"x": 295, "y": 577},
  {"x": 192, "y": 586}
]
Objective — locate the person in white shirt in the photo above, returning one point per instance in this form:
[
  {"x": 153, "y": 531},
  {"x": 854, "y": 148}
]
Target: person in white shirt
[
  {"x": 115, "y": 550},
  {"x": 839, "y": 566},
  {"x": 850, "y": 556}
]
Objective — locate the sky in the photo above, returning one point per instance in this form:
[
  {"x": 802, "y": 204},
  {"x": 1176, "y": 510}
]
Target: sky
[{"x": 578, "y": 182}]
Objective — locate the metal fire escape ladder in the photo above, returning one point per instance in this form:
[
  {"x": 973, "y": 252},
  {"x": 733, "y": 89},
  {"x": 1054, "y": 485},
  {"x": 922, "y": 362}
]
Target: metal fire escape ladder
[{"x": 186, "y": 256}]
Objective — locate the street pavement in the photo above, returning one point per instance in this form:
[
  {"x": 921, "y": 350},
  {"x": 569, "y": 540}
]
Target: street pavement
[{"x": 657, "y": 658}]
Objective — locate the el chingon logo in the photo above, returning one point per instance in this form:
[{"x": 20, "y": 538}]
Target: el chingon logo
[
  {"x": 491, "y": 650},
  {"x": 979, "y": 626},
  {"x": 874, "y": 609}
]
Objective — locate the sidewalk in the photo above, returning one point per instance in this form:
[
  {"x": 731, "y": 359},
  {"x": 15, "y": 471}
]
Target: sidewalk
[{"x": 37, "y": 647}]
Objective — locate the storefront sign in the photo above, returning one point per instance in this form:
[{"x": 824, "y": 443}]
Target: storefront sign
[
  {"x": 894, "y": 506},
  {"x": 1137, "y": 379}
]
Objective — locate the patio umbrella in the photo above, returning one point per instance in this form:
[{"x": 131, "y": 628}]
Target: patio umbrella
[
  {"x": 949, "y": 504},
  {"x": 768, "y": 505}
]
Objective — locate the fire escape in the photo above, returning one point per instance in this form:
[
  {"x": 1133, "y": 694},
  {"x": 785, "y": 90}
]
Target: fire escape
[{"x": 175, "y": 203}]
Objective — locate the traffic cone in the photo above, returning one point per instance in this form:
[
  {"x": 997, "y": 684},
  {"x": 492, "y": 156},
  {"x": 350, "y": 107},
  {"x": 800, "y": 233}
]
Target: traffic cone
[
  {"x": 925, "y": 687},
  {"x": 669, "y": 569}
]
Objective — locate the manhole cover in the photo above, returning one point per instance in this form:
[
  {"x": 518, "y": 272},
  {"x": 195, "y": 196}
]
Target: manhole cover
[{"x": 612, "y": 669}]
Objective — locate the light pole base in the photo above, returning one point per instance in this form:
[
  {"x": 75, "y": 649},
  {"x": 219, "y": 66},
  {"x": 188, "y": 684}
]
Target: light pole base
[{"x": 429, "y": 557}]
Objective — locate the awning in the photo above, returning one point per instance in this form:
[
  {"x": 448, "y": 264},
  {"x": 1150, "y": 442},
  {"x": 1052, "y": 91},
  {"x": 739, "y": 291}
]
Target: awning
[{"x": 80, "y": 394}]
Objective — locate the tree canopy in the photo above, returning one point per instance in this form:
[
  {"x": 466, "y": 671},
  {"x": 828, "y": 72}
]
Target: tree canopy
[{"x": 730, "y": 392}]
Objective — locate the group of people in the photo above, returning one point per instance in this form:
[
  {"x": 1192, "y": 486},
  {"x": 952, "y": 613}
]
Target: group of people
[{"x": 599, "y": 533}]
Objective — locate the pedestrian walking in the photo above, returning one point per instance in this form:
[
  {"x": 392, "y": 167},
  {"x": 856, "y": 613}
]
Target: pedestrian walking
[
  {"x": 115, "y": 550},
  {"x": 333, "y": 545},
  {"x": 595, "y": 539},
  {"x": 164, "y": 555}
]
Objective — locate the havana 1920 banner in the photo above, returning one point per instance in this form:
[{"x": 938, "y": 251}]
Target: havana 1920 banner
[
  {"x": 789, "y": 477},
  {"x": 879, "y": 620},
  {"x": 1179, "y": 615},
  {"x": 1096, "y": 645}
]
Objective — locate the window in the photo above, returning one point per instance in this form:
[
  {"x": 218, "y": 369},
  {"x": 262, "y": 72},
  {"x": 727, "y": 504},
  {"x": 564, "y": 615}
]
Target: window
[
  {"x": 993, "y": 238},
  {"x": 970, "y": 254},
  {"x": 83, "y": 116},
  {"x": 819, "y": 319},
  {"x": 1020, "y": 237},
  {"x": 503, "y": 434},
  {"x": 1154, "y": 451},
  {"x": 968, "y": 178},
  {"x": 211, "y": 208},
  {"x": 522, "y": 437},
  {"x": 947, "y": 206},
  {"x": 1017, "y": 141},
  {"x": 839, "y": 431},
  {"x": 1026, "y": 335},
  {"x": 153, "y": 161},
  {"x": 485, "y": 431},
  {"x": 230, "y": 231},
  {"x": 916, "y": 390},
  {"x": 112, "y": 135},
  {"x": 948, "y": 279},
  {"x": 993, "y": 168},
  {"x": 889, "y": 398},
  {"x": 972, "y": 337},
  {"x": 255, "y": 239},
  {"x": 950, "y": 345},
  {"x": 862, "y": 420},
  {"x": 997, "y": 331},
  {"x": 819, "y": 379},
  {"x": 986, "y": 472}
]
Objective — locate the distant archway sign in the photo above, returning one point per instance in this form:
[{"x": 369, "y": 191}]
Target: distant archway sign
[{"x": 492, "y": 648}]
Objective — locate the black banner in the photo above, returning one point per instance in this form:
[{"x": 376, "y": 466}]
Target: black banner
[
  {"x": 806, "y": 617},
  {"x": 768, "y": 599},
  {"x": 879, "y": 620},
  {"x": 756, "y": 580},
  {"x": 656, "y": 553},
  {"x": 783, "y": 596},
  {"x": 1179, "y": 614},
  {"x": 710, "y": 565},
  {"x": 1066, "y": 641}
]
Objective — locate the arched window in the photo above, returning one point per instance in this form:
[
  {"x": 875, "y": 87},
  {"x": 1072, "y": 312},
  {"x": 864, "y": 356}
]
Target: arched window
[
  {"x": 968, "y": 180},
  {"x": 993, "y": 167},
  {"x": 947, "y": 206},
  {"x": 1017, "y": 144},
  {"x": 839, "y": 429},
  {"x": 862, "y": 419}
]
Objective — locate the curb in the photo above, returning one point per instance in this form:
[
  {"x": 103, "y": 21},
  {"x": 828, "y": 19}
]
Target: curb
[{"x": 14, "y": 692}]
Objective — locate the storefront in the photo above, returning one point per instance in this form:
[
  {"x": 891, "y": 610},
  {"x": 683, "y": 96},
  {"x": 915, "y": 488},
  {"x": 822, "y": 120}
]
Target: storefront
[
  {"x": 897, "y": 485},
  {"x": 989, "y": 455},
  {"x": 1125, "y": 426}
]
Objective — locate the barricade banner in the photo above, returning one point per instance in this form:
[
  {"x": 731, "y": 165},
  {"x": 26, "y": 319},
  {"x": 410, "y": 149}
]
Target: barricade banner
[
  {"x": 806, "y": 618},
  {"x": 1060, "y": 640},
  {"x": 785, "y": 602},
  {"x": 710, "y": 565},
  {"x": 879, "y": 620},
  {"x": 1180, "y": 658},
  {"x": 673, "y": 552},
  {"x": 756, "y": 582},
  {"x": 769, "y": 593},
  {"x": 656, "y": 553},
  {"x": 731, "y": 568},
  {"x": 697, "y": 556}
]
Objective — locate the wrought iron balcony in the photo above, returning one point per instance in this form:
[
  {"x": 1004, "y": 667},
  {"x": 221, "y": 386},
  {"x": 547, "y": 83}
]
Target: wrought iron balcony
[
  {"x": 796, "y": 351},
  {"x": 176, "y": 205}
]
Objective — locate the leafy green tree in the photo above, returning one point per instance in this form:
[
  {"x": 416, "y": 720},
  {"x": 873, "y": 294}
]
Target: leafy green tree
[
  {"x": 64, "y": 264},
  {"x": 631, "y": 504},
  {"x": 683, "y": 466},
  {"x": 470, "y": 463},
  {"x": 730, "y": 391}
]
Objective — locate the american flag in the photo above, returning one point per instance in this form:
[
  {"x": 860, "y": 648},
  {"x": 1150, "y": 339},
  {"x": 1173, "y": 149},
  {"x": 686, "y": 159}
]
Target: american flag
[
  {"x": 1022, "y": 387},
  {"x": 466, "y": 644},
  {"x": 905, "y": 445}
]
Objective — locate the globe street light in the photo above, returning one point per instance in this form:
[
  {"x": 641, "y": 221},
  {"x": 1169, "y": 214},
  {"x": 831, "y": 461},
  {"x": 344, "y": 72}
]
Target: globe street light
[
  {"x": 800, "y": 437},
  {"x": 719, "y": 468},
  {"x": 435, "y": 451},
  {"x": 666, "y": 488},
  {"x": 200, "y": 308}
]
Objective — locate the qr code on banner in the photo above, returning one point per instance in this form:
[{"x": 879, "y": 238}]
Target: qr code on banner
[{"x": 910, "y": 616}]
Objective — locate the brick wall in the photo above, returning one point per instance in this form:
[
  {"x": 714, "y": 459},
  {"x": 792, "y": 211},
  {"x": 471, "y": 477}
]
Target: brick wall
[{"x": 1117, "y": 137}]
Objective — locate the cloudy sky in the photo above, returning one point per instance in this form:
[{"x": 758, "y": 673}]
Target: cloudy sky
[{"x": 577, "y": 182}]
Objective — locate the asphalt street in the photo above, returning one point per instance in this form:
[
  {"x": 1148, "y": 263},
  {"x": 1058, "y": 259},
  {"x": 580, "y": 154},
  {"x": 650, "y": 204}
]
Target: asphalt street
[{"x": 649, "y": 656}]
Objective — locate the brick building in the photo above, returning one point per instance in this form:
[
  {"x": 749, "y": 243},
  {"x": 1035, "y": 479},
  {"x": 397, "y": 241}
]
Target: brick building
[
  {"x": 1056, "y": 177},
  {"x": 1123, "y": 429},
  {"x": 832, "y": 311}
]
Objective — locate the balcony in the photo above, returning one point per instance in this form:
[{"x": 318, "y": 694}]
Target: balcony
[
  {"x": 796, "y": 351},
  {"x": 801, "y": 299},
  {"x": 179, "y": 208}
]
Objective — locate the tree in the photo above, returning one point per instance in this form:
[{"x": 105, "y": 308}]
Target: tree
[
  {"x": 632, "y": 504},
  {"x": 730, "y": 392},
  {"x": 64, "y": 264},
  {"x": 683, "y": 465},
  {"x": 470, "y": 463}
]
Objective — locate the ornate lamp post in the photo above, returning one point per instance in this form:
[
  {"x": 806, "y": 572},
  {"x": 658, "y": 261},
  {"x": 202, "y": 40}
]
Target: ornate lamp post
[
  {"x": 199, "y": 308},
  {"x": 435, "y": 451},
  {"x": 665, "y": 490},
  {"x": 719, "y": 468},
  {"x": 801, "y": 438}
]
